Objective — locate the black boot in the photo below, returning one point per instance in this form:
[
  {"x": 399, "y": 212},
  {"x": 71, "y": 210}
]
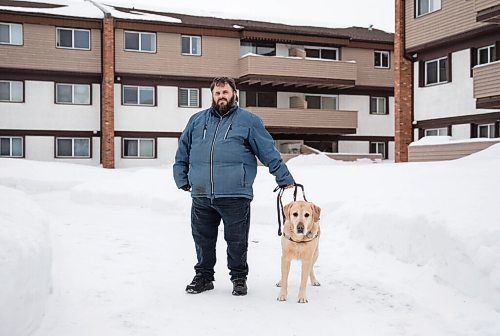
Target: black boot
[
  {"x": 199, "y": 284},
  {"x": 240, "y": 287}
]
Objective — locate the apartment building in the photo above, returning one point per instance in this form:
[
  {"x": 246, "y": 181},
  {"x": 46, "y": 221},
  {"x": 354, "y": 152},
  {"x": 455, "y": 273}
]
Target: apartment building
[
  {"x": 449, "y": 52},
  {"x": 115, "y": 86}
]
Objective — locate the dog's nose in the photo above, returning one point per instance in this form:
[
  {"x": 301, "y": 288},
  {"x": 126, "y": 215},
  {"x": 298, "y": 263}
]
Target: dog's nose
[{"x": 300, "y": 228}]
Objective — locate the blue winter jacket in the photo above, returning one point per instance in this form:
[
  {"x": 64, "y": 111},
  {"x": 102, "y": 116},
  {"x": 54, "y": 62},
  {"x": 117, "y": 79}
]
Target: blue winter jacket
[{"x": 216, "y": 155}]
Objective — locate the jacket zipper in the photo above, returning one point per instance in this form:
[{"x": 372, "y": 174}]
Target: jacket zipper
[
  {"x": 212, "y": 159},
  {"x": 228, "y": 129},
  {"x": 204, "y": 131}
]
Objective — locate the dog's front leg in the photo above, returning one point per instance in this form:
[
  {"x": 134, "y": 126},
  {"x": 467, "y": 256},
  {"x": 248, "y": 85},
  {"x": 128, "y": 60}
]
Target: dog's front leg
[
  {"x": 306, "y": 269},
  {"x": 283, "y": 283}
]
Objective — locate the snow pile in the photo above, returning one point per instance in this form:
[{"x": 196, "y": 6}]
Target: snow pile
[{"x": 25, "y": 263}]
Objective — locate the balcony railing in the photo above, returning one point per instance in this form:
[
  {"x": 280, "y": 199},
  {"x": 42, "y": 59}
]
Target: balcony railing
[
  {"x": 487, "y": 85},
  {"x": 488, "y": 10},
  {"x": 322, "y": 121},
  {"x": 308, "y": 71}
]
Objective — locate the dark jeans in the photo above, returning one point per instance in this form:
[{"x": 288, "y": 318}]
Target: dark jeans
[{"x": 206, "y": 215}]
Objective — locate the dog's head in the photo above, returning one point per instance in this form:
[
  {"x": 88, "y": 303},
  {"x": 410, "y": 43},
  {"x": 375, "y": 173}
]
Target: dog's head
[{"x": 302, "y": 215}]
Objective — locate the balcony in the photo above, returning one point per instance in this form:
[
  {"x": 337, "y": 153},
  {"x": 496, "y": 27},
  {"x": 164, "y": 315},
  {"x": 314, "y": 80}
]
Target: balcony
[
  {"x": 487, "y": 85},
  {"x": 296, "y": 72},
  {"x": 487, "y": 11},
  {"x": 307, "y": 121}
]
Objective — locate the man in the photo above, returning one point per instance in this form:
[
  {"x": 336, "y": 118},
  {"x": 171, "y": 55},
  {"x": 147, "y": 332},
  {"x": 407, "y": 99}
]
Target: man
[{"x": 216, "y": 161}]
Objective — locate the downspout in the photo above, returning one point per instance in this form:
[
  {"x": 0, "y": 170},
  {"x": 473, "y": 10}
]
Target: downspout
[{"x": 107, "y": 88}]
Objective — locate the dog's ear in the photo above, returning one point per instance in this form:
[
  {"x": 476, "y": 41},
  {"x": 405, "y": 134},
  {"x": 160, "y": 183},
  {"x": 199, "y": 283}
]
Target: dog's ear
[
  {"x": 286, "y": 210},
  {"x": 316, "y": 212}
]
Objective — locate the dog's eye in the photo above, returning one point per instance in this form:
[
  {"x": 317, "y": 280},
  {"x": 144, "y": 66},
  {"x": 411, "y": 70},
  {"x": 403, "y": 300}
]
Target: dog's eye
[
  {"x": 306, "y": 215},
  {"x": 295, "y": 214}
]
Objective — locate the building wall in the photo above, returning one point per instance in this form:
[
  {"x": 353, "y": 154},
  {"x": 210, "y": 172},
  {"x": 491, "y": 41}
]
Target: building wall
[
  {"x": 449, "y": 99},
  {"x": 368, "y": 75},
  {"x": 39, "y": 111},
  {"x": 39, "y": 52},
  {"x": 166, "y": 148},
  {"x": 42, "y": 148},
  {"x": 454, "y": 17},
  {"x": 219, "y": 56}
]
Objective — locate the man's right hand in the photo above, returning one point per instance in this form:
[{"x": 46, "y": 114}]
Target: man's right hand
[{"x": 186, "y": 187}]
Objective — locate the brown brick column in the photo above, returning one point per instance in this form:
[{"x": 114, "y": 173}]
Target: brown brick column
[
  {"x": 107, "y": 94},
  {"x": 403, "y": 91}
]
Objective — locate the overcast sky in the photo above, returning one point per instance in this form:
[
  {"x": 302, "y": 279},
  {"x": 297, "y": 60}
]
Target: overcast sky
[{"x": 323, "y": 13}]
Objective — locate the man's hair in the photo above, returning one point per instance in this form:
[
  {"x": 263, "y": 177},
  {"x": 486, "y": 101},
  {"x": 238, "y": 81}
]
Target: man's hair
[{"x": 221, "y": 81}]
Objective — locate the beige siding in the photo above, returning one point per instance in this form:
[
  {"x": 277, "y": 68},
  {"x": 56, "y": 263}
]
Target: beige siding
[
  {"x": 368, "y": 75},
  {"x": 487, "y": 80},
  {"x": 485, "y": 4},
  {"x": 296, "y": 67},
  {"x": 447, "y": 151},
  {"x": 39, "y": 52},
  {"x": 219, "y": 57},
  {"x": 454, "y": 17},
  {"x": 282, "y": 117}
]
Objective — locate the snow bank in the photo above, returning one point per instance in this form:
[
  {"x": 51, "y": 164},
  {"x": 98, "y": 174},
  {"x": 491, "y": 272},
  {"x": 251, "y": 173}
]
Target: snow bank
[{"x": 25, "y": 263}]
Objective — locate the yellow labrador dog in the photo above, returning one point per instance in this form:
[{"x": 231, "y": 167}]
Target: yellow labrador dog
[{"x": 300, "y": 240}]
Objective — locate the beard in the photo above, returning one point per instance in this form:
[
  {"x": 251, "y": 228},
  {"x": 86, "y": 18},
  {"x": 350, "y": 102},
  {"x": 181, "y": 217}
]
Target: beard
[{"x": 222, "y": 105}]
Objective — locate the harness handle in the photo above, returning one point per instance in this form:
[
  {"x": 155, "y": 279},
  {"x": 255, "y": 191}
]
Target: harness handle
[{"x": 279, "y": 202}]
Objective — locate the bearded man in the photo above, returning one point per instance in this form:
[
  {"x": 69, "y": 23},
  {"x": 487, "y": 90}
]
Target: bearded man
[{"x": 216, "y": 162}]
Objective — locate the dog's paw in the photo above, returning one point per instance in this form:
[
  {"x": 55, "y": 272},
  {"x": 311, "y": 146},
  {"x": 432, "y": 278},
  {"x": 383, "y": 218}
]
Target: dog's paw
[
  {"x": 302, "y": 300},
  {"x": 281, "y": 298},
  {"x": 315, "y": 283}
]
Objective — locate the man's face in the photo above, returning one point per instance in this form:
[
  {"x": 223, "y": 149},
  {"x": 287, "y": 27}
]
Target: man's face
[{"x": 223, "y": 98}]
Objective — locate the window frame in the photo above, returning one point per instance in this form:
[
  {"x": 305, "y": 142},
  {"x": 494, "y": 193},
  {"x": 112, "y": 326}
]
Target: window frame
[
  {"x": 138, "y": 95},
  {"x": 72, "y": 94},
  {"x": 491, "y": 130},
  {"x": 10, "y": 91},
  {"x": 320, "y": 52},
  {"x": 386, "y": 105},
  {"x": 198, "y": 103},
  {"x": 58, "y": 29},
  {"x": 491, "y": 54},
  {"x": 10, "y": 146},
  {"x": 385, "y": 154},
  {"x": 191, "y": 37},
  {"x": 138, "y": 148},
  {"x": 10, "y": 24},
  {"x": 382, "y": 52},
  {"x": 73, "y": 156},
  {"x": 321, "y": 101},
  {"x": 417, "y": 7},
  {"x": 140, "y": 33},
  {"x": 438, "y": 129},
  {"x": 438, "y": 76}
]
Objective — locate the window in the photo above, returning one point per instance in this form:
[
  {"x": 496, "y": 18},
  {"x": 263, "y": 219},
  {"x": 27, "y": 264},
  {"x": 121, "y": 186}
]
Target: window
[
  {"x": 322, "y": 53},
  {"x": 258, "y": 99},
  {"x": 486, "y": 131},
  {"x": 259, "y": 48},
  {"x": 443, "y": 131},
  {"x": 78, "y": 94},
  {"x": 72, "y": 147},
  {"x": 189, "y": 97},
  {"x": 191, "y": 45},
  {"x": 140, "y": 41},
  {"x": 382, "y": 59},
  {"x": 11, "y": 147},
  {"x": 322, "y": 102},
  {"x": 378, "y": 148},
  {"x": 138, "y": 95},
  {"x": 436, "y": 71},
  {"x": 73, "y": 38},
  {"x": 486, "y": 54},
  {"x": 378, "y": 105},
  {"x": 138, "y": 148},
  {"x": 427, "y": 6},
  {"x": 11, "y": 91},
  {"x": 11, "y": 33}
]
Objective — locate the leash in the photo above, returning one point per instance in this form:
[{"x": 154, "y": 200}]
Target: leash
[{"x": 279, "y": 202}]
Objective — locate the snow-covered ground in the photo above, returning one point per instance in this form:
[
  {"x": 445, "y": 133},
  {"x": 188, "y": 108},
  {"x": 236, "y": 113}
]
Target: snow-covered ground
[{"x": 406, "y": 249}]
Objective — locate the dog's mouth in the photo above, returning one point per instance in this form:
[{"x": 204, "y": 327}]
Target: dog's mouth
[{"x": 300, "y": 228}]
